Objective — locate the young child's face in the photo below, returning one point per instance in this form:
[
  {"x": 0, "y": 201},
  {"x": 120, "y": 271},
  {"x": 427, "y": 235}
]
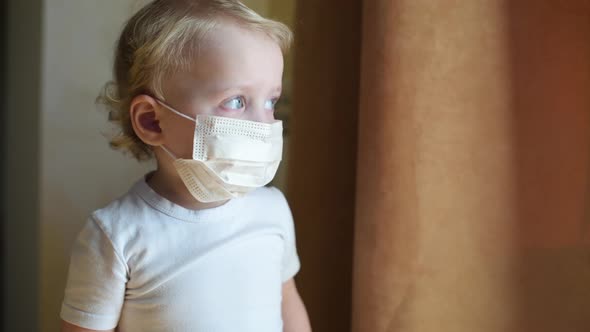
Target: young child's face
[{"x": 237, "y": 74}]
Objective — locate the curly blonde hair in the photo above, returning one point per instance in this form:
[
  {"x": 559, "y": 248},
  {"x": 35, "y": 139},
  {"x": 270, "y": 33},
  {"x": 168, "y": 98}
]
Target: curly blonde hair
[{"x": 160, "y": 39}]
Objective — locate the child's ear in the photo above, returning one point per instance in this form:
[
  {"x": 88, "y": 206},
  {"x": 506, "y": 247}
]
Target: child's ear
[{"x": 144, "y": 119}]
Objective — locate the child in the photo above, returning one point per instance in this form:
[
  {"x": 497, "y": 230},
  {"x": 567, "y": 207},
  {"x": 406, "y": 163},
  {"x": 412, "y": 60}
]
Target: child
[{"x": 199, "y": 244}]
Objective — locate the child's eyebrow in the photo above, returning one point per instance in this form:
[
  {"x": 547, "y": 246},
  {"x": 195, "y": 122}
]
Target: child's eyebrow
[
  {"x": 278, "y": 89},
  {"x": 244, "y": 87}
]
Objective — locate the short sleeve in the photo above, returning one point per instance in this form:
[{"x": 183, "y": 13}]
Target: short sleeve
[
  {"x": 291, "y": 263},
  {"x": 97, "y": 276}
]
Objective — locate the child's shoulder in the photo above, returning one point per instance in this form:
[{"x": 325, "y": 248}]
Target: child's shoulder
[
  {"x": 268, "y": 194},
  {"x": 122, "y": 212},
  {"x": 270, "y": 201}
]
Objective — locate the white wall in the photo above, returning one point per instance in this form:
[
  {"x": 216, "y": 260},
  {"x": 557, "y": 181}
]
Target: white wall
[{"x": 79, "y": 172}]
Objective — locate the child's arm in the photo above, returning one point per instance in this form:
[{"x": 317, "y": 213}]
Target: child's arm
[
  {"x": 67, "y": 327},
  {"x": 294, "y": 314}
]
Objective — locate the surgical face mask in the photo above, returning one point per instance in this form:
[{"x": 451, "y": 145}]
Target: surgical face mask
[{"x": 231, "y": 157}]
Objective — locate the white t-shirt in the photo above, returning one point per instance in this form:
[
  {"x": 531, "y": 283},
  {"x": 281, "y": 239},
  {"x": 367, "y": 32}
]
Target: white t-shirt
[{"x": 146, "y": 264}]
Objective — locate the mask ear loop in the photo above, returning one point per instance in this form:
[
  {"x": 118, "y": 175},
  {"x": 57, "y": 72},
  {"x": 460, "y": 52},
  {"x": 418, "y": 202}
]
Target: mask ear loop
[
  {"x": 177, "y": 113},
  {"x": 168, "y": 152}
]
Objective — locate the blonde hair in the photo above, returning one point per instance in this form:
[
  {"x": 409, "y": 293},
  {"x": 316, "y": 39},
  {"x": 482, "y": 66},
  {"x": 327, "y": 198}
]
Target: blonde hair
[{"x": 163, "y": 38}]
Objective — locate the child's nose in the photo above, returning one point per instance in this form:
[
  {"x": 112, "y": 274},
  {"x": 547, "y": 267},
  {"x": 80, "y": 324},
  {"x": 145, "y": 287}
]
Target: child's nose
[{"x": 259, "y": 113}]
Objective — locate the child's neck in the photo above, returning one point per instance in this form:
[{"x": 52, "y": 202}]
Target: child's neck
[{"x": 171, "y": 187}]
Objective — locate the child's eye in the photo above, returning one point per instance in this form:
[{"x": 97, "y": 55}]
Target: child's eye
[
  {"x": 235, "y": 103},
  {"x": 271, "y": 104}
]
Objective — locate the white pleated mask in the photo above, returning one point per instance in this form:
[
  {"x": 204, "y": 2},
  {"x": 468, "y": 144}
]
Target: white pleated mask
[{"x": 231, "y": 157}]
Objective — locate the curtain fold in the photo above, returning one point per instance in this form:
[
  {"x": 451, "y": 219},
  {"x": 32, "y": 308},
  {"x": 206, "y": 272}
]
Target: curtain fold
[{"x": 321, "y": 175}]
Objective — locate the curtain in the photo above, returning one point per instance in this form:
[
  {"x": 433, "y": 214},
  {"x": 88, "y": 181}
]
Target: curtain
[{"x": 440, "y": 162}]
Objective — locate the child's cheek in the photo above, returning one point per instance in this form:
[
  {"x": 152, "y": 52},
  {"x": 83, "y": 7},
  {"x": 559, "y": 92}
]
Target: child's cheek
[
  {"x": 186, "y": 142},
  {"x": 180, "y": 139}
]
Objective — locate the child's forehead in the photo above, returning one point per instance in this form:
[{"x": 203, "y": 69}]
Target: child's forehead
[
  {"x": 218, "y": 69},
  {"x": 228, "y": 33},
  {"x": 231, "y": 56},
  {"x": 231, "y": 48}
]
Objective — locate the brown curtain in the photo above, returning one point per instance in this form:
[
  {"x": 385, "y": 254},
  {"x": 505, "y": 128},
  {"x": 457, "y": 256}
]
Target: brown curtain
[
  {"x": 440, "y": 164},
  {"x": 322, "y": 156}
]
